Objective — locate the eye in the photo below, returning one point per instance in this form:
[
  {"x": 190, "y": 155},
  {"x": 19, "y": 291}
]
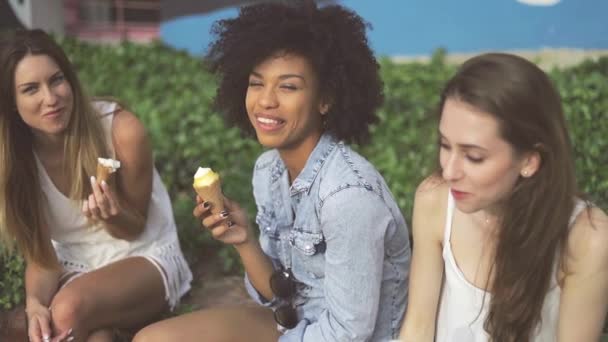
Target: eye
[
  {"x": 444, "y": 146},
  {"x": 57, "y": 79},
  {"x": 475, "y": 159},
  {"x": 29, "y": 89},
  {"x": 289, "y": 87},
  {"x": 254, "y": 83}
]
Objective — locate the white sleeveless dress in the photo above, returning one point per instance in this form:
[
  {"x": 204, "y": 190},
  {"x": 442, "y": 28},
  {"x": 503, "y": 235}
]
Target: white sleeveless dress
[
  {"x": 82, "y": 247},
  {"x": 462, "y": 310}
]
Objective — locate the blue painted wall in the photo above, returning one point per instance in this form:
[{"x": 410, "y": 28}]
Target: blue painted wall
[{"x": 417, "y": 27}]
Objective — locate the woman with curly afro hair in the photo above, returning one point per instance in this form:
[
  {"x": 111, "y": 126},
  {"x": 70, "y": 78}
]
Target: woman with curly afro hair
[{"x": 332, "y": 259}]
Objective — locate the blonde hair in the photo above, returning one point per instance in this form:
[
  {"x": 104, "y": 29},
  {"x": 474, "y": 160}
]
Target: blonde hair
[{"x": 22, "y": 201}]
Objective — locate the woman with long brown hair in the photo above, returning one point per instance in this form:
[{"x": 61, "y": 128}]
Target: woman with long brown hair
[
  {"x": 100, "y": 255},
  {"x": 504, "y": 248}
]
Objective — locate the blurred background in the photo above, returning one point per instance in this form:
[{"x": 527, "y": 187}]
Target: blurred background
[
  {"x": 147, "y": 54},
  {"x": 570, "y": 29}
]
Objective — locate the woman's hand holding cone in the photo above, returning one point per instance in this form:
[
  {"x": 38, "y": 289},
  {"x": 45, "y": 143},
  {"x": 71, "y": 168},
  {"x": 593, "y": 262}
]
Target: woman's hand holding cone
[{"x": 229, "y": 226}]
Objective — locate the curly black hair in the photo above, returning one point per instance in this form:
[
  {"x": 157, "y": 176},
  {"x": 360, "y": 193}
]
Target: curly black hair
[{"x": 333, "y": 39}]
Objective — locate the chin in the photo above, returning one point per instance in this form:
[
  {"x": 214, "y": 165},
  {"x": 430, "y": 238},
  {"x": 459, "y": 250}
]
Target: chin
[
  {"x": 269, "y": 141},
  {"x": 56, "y": 130},
  {"x": 468, "y": 208}
]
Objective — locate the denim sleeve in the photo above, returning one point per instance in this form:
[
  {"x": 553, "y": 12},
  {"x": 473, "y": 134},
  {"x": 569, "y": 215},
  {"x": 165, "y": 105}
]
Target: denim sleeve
[
  {"x": 255, "y": 295},
  {"x": 354, "y": 222}
]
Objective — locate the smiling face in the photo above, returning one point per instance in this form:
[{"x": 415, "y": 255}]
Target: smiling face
[
  {"x": 480, "y": 167},
  {"x": 283, "y": 103},
  {"x": 43, "y": 96}
]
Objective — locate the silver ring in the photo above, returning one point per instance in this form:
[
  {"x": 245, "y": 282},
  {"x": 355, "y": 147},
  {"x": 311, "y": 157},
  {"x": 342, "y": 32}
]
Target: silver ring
[{"x": 46, "y": 339}]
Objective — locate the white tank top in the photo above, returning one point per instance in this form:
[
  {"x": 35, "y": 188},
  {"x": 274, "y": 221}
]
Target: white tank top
[
  {"x": 82, "y": 246},
  {"x": 462, "y": 309}
]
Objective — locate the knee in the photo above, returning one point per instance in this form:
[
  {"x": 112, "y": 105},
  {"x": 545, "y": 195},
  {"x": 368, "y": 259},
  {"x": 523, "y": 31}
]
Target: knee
[
  {"x": 101, "y": 336},
  {"x": 152, "y": 333},
  {"x": 68, "y": 310}
]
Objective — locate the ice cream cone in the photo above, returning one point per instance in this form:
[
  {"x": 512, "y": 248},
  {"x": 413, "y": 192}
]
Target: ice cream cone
[
  {"x": 213, "y": 194},
  {"x": 103, "y": 173},
  {"x": 106, "y": 169},
  {"x": 209, "y": 188}
]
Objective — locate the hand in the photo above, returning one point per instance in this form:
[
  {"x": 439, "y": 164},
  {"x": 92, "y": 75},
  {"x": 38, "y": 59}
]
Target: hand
[
  {"x": 39, "y": 326},
  {"x": 230, "y": 226},
  {"x": 102, "y": 203}
]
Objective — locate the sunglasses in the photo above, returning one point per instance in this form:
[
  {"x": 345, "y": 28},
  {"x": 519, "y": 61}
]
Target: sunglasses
[{"x": 283, "y": 286}]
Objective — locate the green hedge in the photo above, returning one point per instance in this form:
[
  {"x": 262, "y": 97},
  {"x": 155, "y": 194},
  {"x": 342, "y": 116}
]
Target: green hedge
[{"x": 171, "y": 93}]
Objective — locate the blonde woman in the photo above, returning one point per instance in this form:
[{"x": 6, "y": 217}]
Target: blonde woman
[{"x": 100, "y": 256}]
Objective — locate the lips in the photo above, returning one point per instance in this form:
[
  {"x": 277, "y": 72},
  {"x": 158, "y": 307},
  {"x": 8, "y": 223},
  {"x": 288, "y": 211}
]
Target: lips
[
  {"x": 268, "y": 123},
  {"x": 459, "y": 195},
  {"x": 53, "y": 113}
]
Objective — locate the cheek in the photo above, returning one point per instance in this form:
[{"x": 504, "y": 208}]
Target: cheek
[
  {"x": 498, "y": 179},
  {"x": 68, "y": 93},
  {"x": 26, "y": 106},
  {"x": 249, "y": 101},
  {"x": 443, "y": 157}
]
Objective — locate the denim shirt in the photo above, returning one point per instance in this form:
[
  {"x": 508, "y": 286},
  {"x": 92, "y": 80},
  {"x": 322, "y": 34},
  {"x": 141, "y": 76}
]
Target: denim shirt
[{"x": 340, "y": 231}]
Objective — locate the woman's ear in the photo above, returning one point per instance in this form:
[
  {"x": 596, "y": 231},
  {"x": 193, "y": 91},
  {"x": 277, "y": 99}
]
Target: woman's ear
[{"x": 531, "y": 163}]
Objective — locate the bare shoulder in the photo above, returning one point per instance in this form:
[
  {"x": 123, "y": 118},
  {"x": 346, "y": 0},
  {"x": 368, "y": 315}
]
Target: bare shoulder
[
  {"x": 431, "y": 194},
  {"x": 131, "y": 143},
  {"x": 430, "y": 206},
  {"x": 587, "y": 247},
  {"x": 128, "y": 129}
]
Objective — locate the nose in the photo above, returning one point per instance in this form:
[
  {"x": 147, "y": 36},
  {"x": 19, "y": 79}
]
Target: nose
[
  {"x": 452, "y": 167},
  {"x": 50, "y": 97},
  {"x": 268, "y": 98}
]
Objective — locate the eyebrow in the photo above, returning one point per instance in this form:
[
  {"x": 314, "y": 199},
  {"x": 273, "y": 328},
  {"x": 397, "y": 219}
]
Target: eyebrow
[
  {"x": 27, "y": 84},
  {"x": 281, "y": 77},
  {"x": 464, "y": 146}
]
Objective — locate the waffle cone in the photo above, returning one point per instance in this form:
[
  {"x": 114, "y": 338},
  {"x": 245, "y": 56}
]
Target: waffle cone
[
  {"x": 103, "y": 173},
  {"x": 213, "y": 194}
]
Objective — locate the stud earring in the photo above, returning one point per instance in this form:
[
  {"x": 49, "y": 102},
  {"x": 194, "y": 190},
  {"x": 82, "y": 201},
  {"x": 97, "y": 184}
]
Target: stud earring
[{"x": 524, "y": 173}]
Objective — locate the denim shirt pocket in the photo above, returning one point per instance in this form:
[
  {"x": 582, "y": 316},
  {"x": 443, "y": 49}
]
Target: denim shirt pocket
[
  {"x": 309, "y": 254},
  {"x": 269, "y": 234}
]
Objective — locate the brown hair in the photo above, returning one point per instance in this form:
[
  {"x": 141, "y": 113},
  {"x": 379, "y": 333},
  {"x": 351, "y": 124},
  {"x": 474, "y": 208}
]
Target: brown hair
[
  {"x": 536, "y": 214},
  {"x": 21, "y": 198}
]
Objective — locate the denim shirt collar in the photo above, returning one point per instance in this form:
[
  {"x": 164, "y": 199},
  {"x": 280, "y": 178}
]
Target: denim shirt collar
[{"x": 311, "y": 169}]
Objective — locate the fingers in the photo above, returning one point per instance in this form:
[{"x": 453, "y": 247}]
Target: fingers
[
  {"x": 90, "y": 208},
  {"x": 218, "y": 231},
  {"x": 85, "y": 209},
  {"x": 101, "y": 204},
  {"x": 34, "y": 333},
  {"x": 109, "y": 196},
  {"x": 214, "y": 220},
  {"x": 100, "y": 201},
  {"x": 39, "y": 329},
  {"x": 201, "y": 209},
  {"x": 64, "y": 337}
]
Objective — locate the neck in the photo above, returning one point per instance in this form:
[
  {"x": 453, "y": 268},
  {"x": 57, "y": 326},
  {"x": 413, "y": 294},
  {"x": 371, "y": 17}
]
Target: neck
[
  {"x": 295, "y": 157},
  {"x": 489, "y": 218},
  {"x": 48, "y": 145}
]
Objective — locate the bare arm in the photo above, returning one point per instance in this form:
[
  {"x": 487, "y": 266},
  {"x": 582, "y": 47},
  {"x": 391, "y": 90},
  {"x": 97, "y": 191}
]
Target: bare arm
[
  {"x": 584, "y": 297},
  {"x": 123, "y": 208},
  {"x": 40, "y": 286},
  {"x": 427, "y": 263},
  {"x": 258, "y": 267},
  {"x": 257, "y": 264}
]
